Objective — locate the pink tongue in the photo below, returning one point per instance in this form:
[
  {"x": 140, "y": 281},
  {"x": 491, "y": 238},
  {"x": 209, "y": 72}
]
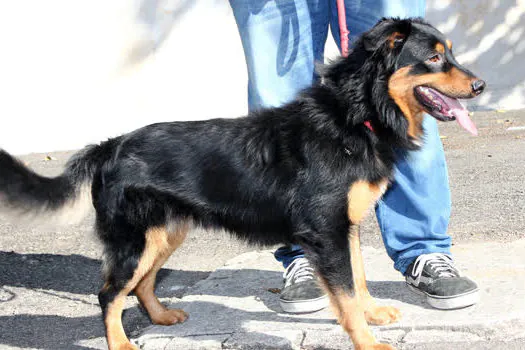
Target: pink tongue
[
  {"x": 464, "y": 120},
  {"x": 457, "y": 110}
]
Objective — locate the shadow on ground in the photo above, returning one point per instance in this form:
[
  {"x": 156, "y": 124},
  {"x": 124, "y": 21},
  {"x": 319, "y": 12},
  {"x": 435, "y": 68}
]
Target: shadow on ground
[
  {"x": 52, "y": 274},
  {"x": 76, "y": 274}
]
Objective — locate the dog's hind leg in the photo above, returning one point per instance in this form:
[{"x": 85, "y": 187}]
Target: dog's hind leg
[
  {"x": 361, "y": 197},
  {"x": 112, "y": 301},
  {"x": 145, "y": 289},
  {"x": 128, "y": 262}
]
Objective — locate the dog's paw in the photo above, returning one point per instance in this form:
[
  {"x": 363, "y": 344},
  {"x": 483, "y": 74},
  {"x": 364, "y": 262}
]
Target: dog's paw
[
  {"x": 381, "y": 315},
  {"x": 170, "y": 317}
]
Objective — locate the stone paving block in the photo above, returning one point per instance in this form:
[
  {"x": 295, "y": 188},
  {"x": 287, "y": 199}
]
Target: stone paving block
[
  {"x": 154, "y": 343},
  {"x": 235, "y": 300},
  {"x": 389, "y": 336},
  {"x": 203, "y": 342},
  {"x": 282, "y": 340},
  {"x": 335, "y": 339},
  {"x": 432, "y": 335}
]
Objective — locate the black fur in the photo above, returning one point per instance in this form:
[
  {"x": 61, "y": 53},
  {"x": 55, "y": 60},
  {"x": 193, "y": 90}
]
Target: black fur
[
  {"x": 24, "y": 191},
  {"x": 279, "y": 175}
]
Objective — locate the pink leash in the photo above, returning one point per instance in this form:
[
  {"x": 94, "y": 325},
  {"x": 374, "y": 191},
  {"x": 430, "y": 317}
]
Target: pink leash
[{"x": 343, "y": 30}]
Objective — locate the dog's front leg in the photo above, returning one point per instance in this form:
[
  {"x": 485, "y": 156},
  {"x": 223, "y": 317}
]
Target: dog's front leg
[
  {"x": 361, "y": 198},
  {"x": 329, "y": 253},
  {"x": 374, "y": 314}
]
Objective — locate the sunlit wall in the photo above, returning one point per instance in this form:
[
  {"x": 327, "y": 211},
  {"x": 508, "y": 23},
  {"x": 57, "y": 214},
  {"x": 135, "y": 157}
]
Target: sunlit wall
[{"x": 75, "y": 72}]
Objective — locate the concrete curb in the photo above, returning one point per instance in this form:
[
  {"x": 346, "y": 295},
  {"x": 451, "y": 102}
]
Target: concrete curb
[{"x": 234, "y": 309}]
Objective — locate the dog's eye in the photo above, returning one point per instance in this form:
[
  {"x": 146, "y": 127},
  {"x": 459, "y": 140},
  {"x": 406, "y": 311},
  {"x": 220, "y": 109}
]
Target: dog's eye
[{"x": 435, "y": 59}]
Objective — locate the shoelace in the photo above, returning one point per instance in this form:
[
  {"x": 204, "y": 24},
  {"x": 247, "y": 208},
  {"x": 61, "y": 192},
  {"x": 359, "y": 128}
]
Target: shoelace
[
  {"x": 441, "y": 264},
  {"x": 298, "y": 271}
]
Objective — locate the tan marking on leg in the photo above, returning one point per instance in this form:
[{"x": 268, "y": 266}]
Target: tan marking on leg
[
  {"x": 374, "y": 314},
  {"x": 361, "y": 197},
  {"x": 117, "y": 339},
  {"x": 144, "y": 291},
  {"x": 449, "y": 44},
  {"x": 157, "y": 244}
]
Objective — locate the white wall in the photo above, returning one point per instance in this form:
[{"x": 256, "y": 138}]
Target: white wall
[
  {"x": 488, "y": 37},
  {"x": 76, "y": 72}
]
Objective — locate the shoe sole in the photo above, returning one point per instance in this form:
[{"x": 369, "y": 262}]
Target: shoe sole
[
  {"x": 304, "y": 306},
  {"x": 449, "y": 303}
]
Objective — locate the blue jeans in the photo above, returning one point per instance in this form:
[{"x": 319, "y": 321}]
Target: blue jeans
[{"x": 282, "y": 41}]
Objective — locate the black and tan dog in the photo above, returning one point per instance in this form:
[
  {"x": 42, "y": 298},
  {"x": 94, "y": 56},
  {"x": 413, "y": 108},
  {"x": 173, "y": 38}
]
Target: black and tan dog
[{"x": 304, "y": 173}]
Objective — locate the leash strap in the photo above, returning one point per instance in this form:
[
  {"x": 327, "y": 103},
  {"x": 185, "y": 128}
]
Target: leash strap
[{"x": 343, "y": 29}]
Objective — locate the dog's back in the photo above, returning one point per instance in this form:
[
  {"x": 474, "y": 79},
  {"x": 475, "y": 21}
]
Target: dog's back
[{"x": 220, "y": 173}]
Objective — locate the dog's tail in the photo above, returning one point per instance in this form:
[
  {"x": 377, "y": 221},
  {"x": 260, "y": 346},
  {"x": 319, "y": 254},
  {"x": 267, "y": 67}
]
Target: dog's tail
[{"x": 64, "y": 199}]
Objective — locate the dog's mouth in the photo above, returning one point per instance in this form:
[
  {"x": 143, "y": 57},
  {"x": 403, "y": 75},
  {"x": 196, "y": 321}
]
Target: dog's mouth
[{"x": 444, "y": 108}]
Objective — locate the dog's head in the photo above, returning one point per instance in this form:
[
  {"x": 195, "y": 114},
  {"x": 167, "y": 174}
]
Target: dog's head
[{"x": 413, "y": 71}]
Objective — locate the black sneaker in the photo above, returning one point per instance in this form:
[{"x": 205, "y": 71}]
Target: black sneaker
[
  {"x": 435, "y": 276},
  {"x": 301, "y": 293}
]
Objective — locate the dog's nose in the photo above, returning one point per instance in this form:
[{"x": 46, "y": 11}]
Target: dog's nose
[{"x": 478, "y": 86}]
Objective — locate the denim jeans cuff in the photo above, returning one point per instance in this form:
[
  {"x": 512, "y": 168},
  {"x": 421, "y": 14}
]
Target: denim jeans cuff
[{"x": 402, "y": 264}]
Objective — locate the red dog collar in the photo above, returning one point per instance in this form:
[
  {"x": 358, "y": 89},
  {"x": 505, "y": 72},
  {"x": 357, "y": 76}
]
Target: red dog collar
[{"x": 369, "y": 125}]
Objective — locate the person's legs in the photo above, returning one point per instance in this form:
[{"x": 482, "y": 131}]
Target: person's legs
[
  {"x": 287, "y": 254},
  {"x": 282, "y": 41},
  {"x": 414, "y": 213},
  {"x": 413, "y": 216}
]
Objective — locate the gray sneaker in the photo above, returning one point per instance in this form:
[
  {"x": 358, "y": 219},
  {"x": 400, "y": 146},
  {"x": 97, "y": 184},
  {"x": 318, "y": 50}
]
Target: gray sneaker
[
  {"x": 301, "y": 293},
  {"x": 435, "y": 276}
]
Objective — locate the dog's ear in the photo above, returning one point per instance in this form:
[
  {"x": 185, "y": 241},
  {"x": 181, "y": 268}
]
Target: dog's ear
[
  {"x": 396, "y": 39},
  {"x": 392, "y": 32}
]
